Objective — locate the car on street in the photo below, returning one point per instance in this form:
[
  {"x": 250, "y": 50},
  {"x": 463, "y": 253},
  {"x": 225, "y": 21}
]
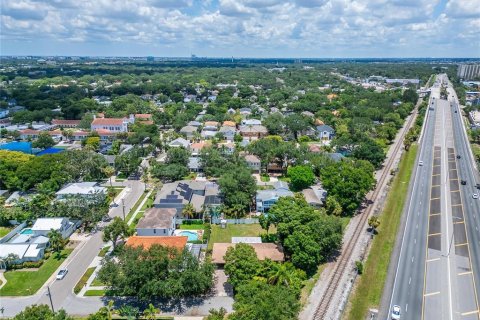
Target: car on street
[
  {"x": 396, "y": 312},
  {"x": 463, "y": 182},
  {"x": 420, "y": 163},
  {"x": 459, "y": 156},
  {"x": 475, "y": 196},
  {"x": 62, "y": 273},
  {"x": 477, "y": 185}
]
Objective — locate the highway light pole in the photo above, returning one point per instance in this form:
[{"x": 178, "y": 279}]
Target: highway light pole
[
  {"x": 49, "y": 294},
  {"x": 451, "y": 239}
]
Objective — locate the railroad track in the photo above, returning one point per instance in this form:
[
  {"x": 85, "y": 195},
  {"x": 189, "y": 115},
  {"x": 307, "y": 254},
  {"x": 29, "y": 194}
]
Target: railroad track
[{"x": 345, "y": 256}]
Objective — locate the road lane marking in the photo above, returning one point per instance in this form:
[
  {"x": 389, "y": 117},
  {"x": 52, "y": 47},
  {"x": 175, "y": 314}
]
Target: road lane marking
[
  {"x": 465, "y": 273},
  {"x": 434, "y": 234},
  {"x": 457, "y": 205},
  {"x": 431, "y": 294},
  {"x": 433, "y": 259},
  {"x": 460, "y": 222},
  {"x": 434, "y": 199},
  {"x": 461, "y": 244},
  {"x": 435, "y": 214},
  {"x": 469, "y": 313}
]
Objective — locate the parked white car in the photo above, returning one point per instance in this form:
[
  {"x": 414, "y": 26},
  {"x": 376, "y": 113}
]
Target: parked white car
[{"x": 396, "y": 312}]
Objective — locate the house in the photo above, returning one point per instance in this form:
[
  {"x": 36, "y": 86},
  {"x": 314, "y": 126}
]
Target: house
[
  {"x": 25, "y": 252},
  {"x": 251, "y": 122},
  {"x": 177, "y": 242},
  {"x": 325, "y": 132},
  {"x": 197, "y": 147},
  {"x": 210, "y": 125},
  {"x": 58, "y": 123},
  {"x": 27, "y": 134},
  {"x": 157, "y": 222},
  {"x": 253, "y": 132},
  {"x": 265, "y": 199},
  {"x": 231, "y": 111},
  {"x": 43, "y": 226},
  {"x": 144, "y": 118},
  {"x": 315, "y": 196},
  {"x": 189, "y": 131},
  {"x": 229, "y": 124},
  {"x": 227, "y": 148},
  {"x": 253, "y": 162},
  {"x": 201, "y": 194},
  {"x": 245, "y": 112},
  {"x": 4, "y": 113},
  {"x": 194, "y": 164},
  {"x": 228, "y": 132},
  {"x": 246, "y": 239},
  {"x": 264, "y": 251},
  {"x": 179, "y": 143},
  {"x": 114, "y": 125},
  {"x": 4, "y": 123},
  {"x": 83, "y": 189},
  {"x": 194, "y": 124},
  {"x": 208, "y": 134}
]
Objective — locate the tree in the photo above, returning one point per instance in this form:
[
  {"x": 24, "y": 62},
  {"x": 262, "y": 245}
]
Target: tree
[
  {"x": 56, "y": 240},
  {"x": 43, "y": 141},
  {"x": 118, "y": 229},
  {"x": 104, "y": 313},
  {"x": 370, "y": 150},
  {"x": 93, "y": 143},
  {"x": 274, "y": 123},
  {"x": 68, "y": 134},
  {"x": 285, "y": 274},
  {"x": 178, "y": 156},
  {"x": 241, "y": 264},
  {"x": 301, "y": 177},
  {"x": 43, "y": 312},
  {"x": 169, "y": 172},
  {"x": 261, "y": 301},
  {"x": 109, "y": 172},
  {"x": 373, "y": 223},
  {"x": 296, "y": 123},
  {"x": 214, "y": 314},
  {"x": 158, "y": 271},
  {"x": 151, "y": 312},
  {"x": 410, "y": 95},
  {"x": 238, "y": 188},
  {"x": 333, "y": 207},
  {"x": 189, "y": 211}
]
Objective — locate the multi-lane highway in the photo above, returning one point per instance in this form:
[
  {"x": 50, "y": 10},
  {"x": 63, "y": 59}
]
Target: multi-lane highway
[{"x": 437, "y": 269}]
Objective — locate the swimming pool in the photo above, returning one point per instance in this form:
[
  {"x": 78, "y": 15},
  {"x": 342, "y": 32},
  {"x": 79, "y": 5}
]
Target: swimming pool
[
  {"x": 25, "y": 147},
  {"x": 192, "y": 236},
  {"x": 26, "y": 231}
]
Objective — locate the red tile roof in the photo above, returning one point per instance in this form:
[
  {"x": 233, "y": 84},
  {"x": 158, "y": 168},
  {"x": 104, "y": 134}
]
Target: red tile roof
[
  {"x": 103, "y": 132},
  {"x": 29, "y": 131},
  {"x": 143, "y": 116},
  {"x": 178, "y": 242},
  {"x": 61, "y": 122},
  {"x": 107, "y": 121}
]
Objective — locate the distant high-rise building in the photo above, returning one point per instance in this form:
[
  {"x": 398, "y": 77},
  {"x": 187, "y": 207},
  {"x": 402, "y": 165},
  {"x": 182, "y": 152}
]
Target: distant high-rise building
[
  {"x": 468, "y": 71},
  {"x": 150, "y": 59}
]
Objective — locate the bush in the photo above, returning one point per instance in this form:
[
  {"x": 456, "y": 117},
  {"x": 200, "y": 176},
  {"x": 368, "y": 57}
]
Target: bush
[
  {"x": 359, "y": 266},
  {"x": 271, "y": 237},
  {"x": 207, "y": 232},
  {"x": 192, "y": 221},
  {"x": 27, "y": 264}
]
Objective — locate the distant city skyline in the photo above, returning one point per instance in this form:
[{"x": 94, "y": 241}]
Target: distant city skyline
[{"x": 241, "y": 28}]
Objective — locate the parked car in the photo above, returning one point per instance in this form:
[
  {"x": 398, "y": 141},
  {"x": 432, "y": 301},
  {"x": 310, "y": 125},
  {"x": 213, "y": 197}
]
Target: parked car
[
  {"x": 463, "y": 182},
  {"x": 458, "y": 156},
  {"x": 62, "y": 273},
  {"x": 396, "y": 312}
]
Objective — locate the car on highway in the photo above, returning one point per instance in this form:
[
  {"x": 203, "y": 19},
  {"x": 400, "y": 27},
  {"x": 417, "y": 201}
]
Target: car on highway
[
  {"x": 420, "y": 163},
  {"x": 62, "y": 273},
  {"x": 475, "y": 196},
  {"x": 477, "y": 185},
  {"x": 459, "y": 156},
  {"x": 463, "y": 182},
  {"x": 396, "y": 312}
]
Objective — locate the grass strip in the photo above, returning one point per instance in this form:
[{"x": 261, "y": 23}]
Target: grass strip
[
  {"x": 95, "y": 293},
  {"x": 104, "y": 251},
  {"x": 83, "y": 280},
  {"x": 369, "y": 289},
  {"x": 24, "y": 283},
  {"x": 4, "y": 231},
  {"x": 137, "y": 204}
]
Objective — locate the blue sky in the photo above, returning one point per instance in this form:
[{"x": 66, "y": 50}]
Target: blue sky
[{"x": 241, "y": 28}]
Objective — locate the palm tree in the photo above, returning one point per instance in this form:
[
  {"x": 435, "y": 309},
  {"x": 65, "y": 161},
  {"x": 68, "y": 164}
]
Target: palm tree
[
  {"x": 281, "y": 274},
  {"x": 189, "y": 211},
  {"x": 68, "y": 134},
  {"x": 56, "y": 240},
  {"x": 151, "y": 312},
  {"x": 109, "y": 171},
  {"x": 110, "y": 310}
]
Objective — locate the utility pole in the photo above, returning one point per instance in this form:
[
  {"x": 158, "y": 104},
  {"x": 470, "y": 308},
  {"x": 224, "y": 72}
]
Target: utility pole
[
  {"x": 123, "y": 208},
  {"x": 49, "y": 294}
]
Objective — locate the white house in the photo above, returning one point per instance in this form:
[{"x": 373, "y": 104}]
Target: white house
[
  {"x": 253, "y": 162},
  {"x": 157, "y": 222},
  {"x": 251, "y": 122},
  {"x": 325, "y": 132},
  {"x": 228, "y": 132},
  {"x": 114, "y": 125},
  {"x": 43, "y": 226},
  {"x": 179, "y": 142},
  {"x": 85, "y": 189}
]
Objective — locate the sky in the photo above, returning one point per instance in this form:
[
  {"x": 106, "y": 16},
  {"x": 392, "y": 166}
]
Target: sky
[{"x": 242, "y": 28}]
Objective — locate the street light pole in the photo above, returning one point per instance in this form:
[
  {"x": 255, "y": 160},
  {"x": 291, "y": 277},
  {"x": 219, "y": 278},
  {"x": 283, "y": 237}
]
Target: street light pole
[{"x": 49, "y": 294}]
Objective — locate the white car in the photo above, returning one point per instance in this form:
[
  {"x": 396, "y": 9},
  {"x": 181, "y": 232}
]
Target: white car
[
  {"x": 475, "y": 196},
  {"x": 396, "y": 312},
  {"x": 62, "y": 273}
]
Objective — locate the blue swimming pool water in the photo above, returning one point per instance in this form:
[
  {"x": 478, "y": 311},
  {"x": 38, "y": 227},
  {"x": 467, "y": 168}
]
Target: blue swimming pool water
[
  {"x": 25, "y": 147},
  {"x": 192, "y": 236},
  {"x": 26, "y": 231}
]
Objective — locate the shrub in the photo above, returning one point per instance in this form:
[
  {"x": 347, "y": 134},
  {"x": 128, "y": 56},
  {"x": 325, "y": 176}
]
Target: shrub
[{"x": 192, "y": 221}]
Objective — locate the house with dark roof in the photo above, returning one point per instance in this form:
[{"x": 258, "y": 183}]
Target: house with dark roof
[
  {"x": 189, "y": 131},
  {"x": 157, "y": 222},
  {"x": 265, "y": 199},
  {"x": 325, "y": 132}
]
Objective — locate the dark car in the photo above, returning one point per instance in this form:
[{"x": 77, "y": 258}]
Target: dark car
[
  {"x": 455, "y": 111},
  {"x": 463, "y": 182},
  {"x": 459, "y": 156},
  {"x": 478, "y": 185}
]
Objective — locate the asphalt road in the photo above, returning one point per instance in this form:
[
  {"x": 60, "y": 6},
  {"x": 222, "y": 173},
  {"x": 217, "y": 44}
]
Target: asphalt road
[
  {"x": 439, "y": 256},
  {"x": 62, "y": 290}
]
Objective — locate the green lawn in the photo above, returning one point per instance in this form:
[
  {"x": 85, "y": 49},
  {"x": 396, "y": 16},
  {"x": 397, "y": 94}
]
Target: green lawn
[
  {"x": 4, "y": 231},
  {"x": 97, "y": 283},
  {"x": 22, "y": 283},
  {"x": 235, "y": 230},
  {"x": 265, "y": 178},
  {"x": 104, "y": 251},
  {"x": 83, "y": 280},
  {"x": 94, "y": 293},
  {"x": 369, "y": 290}
]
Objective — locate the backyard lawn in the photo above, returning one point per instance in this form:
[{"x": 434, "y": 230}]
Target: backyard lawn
[
  {"x": 4, "y": 231},
  {"x": 235, "y": 230},
  {"x": 22, "y": 283}
]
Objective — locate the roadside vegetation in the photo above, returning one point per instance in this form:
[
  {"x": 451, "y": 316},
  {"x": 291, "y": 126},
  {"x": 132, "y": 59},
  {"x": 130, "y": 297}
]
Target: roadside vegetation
[{"x": 368, "y": 292}]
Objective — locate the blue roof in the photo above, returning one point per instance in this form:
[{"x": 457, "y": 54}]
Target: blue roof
[{"x": 49, "y": 151}]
